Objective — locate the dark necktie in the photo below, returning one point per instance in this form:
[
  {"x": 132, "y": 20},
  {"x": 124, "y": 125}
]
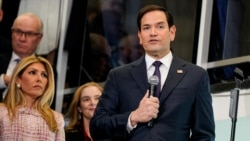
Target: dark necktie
[{"x": 157, "y": 72}]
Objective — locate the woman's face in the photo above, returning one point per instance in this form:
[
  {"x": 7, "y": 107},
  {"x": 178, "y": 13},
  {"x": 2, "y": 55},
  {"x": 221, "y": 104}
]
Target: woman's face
[
  {"x": 89, "y": 98},
  {"x": 33, "y": 81}
]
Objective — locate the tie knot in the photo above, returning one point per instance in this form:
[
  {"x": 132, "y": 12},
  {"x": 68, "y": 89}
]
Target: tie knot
[{"x": 157, "y": 64}]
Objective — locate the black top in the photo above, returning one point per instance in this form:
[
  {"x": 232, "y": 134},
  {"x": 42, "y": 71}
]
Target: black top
[
  {"x": 78, "y": 135},
  {"x": 5, "y": 45}
]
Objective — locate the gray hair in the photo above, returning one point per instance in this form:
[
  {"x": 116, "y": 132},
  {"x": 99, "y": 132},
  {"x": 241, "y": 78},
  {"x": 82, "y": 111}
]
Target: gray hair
[{"x": 33, "y": 16}]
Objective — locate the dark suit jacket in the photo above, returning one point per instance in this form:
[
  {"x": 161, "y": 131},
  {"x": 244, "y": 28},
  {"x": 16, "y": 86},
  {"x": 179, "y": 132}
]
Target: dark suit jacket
[
  {"x": 185, "y": 105},
  {"x": 5, "y": 44},
  {"x": 4, "y": 62}
]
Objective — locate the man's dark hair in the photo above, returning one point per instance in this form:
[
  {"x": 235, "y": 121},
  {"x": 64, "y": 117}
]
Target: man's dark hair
[{"x": 150, "y": 8}]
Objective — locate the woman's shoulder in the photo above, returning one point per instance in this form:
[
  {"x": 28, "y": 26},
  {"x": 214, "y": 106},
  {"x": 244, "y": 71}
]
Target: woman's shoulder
[
  {"x": 57, "y": 114},
  {"x": 3, "y": 110},
  {"x": 3, "y": 107}
]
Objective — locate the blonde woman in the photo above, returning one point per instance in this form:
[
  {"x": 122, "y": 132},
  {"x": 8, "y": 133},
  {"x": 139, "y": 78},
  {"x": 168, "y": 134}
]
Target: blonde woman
[
  {"x": 81, "y": 110},
  {"x": 25, "y": 111}
]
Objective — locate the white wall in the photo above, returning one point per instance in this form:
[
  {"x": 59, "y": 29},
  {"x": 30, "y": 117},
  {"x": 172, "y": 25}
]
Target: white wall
[{"x": 221, "y": 105}]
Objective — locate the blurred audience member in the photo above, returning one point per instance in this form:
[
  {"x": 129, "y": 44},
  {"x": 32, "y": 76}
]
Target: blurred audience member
[
  {"x": 98, "y": 53},
  {"x": 129, "y": 49},
  {"x": 112, "y": 14},
  {"x": 81, "y": 110}
]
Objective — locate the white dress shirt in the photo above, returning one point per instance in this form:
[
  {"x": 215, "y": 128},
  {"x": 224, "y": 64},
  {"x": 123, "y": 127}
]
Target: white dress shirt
[
  {"x": 11, "y": 67},
  {"x": 164, "y": 68}
]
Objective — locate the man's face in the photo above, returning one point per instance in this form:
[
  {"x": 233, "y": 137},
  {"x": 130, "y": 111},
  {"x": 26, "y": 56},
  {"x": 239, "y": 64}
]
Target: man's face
[
  {"x": 155, "y": 35},
  {"x": 25, "y": 36}
]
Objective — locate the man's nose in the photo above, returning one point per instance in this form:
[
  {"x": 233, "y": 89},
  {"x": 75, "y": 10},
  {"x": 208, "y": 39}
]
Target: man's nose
[{"x": 153, "y": 32}]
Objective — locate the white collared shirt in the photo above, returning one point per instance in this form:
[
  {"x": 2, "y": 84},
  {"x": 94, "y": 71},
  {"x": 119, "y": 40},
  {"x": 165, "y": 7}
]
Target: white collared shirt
[
  {"x": 12, "y": 64},
  {"x": 11, "y": 67},
  {"x": 164, "y": 68}
]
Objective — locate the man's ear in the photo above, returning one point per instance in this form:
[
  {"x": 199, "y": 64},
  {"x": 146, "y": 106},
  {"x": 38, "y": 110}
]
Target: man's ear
[
  {"x": 139, "y": 37},
  {"x": 172, "y": 32}
]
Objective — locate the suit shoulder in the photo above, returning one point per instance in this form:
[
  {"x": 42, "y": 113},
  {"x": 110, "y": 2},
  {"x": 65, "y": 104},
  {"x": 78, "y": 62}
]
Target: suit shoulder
[
  {"x": 124, "y": 67},
  {"x": 190, "y": 66}
]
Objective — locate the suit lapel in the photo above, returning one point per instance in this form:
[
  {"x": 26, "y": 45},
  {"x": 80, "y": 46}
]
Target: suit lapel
[
  {"x": 4, "y": 61},
  {"x": 176, "y": 72},
  {"x": 139, "y": 74},
  {"x": 175, "y": 75}
]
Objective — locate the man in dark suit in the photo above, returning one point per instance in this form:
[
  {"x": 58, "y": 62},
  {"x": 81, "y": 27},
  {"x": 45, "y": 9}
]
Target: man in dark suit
[
  {"x": 27, "y": 32},
  {"x": 183, "y": 109}
]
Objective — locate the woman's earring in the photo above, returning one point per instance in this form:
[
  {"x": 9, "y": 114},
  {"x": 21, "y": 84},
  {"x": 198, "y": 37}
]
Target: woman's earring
[{"x": 18, "y": 85}]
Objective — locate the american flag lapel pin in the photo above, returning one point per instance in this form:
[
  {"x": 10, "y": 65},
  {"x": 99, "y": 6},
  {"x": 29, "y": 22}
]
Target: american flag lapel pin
[{"x": 179, "y": 71}]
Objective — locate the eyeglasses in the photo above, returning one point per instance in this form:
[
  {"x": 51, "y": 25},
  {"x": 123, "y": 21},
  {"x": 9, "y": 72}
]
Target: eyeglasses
[{"x": 19, "y": 32}]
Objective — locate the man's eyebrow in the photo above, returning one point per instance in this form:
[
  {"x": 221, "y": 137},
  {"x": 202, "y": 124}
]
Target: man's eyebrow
[{"x": 161, "y": 22}]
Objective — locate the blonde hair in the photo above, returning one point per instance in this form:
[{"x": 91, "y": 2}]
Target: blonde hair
[
  {"x": 15, "y": 97},
  {"x": 73, "y": 113}
]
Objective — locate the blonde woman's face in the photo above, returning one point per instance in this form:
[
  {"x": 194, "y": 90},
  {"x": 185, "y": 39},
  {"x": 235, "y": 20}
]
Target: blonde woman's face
[
  {"x": 89, "y": 98},
  {"x": 34, "y": 80}
]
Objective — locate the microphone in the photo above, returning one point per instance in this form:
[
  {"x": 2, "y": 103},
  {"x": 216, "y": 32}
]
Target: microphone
[{"x": 153, "y": 81}]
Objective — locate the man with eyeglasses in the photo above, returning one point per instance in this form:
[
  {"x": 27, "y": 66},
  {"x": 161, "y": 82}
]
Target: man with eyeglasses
[{"x": 27, "y": 32}]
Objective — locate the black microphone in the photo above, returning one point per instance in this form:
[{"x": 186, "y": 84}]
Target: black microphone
[{"x": 153, "y": 82}]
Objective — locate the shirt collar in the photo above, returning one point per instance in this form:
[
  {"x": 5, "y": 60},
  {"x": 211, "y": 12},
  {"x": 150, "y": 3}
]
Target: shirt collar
[
  {"x": 166, "y": 60},
  {"x": 14, "y": 56}
]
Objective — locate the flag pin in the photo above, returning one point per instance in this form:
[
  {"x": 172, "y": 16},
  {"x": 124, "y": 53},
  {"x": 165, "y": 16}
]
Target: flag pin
[{"x": 179, "y": 71}]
